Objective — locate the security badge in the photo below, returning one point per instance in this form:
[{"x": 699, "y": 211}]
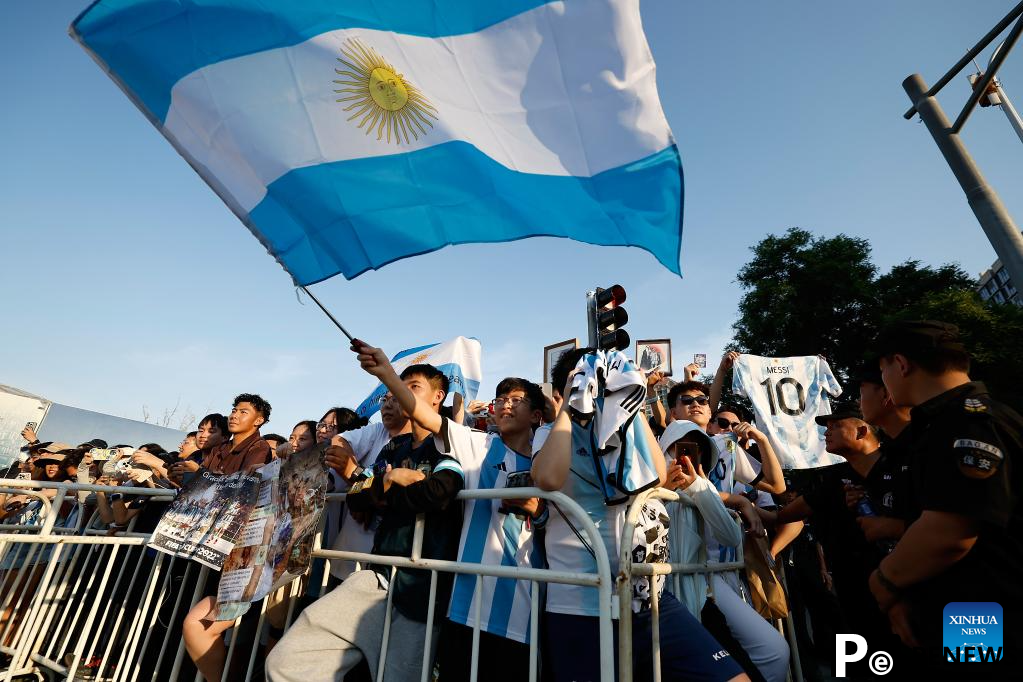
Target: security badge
[
  {"x": 977, "y": 459},
  {"x": 974, "y": 405}
]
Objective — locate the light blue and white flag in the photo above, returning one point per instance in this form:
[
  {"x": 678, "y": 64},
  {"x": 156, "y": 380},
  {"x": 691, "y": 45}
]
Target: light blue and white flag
[
  {"x": 458, "y": 359},
  {"x": 349, "y": 134}
]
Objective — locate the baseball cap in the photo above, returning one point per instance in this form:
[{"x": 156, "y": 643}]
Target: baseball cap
[
  {"x": 916, "y": 336},
  {"x": 94, "y": 443},
  {"x": 869, "y": 373},
  {"x": 847, "y": 410},
  {"x": 54, "y": 448}
]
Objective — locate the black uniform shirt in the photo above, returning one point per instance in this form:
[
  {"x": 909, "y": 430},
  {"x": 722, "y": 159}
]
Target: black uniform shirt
[
  {"x": 889, "y": 482},
  {"x": 965, "y": 460}
]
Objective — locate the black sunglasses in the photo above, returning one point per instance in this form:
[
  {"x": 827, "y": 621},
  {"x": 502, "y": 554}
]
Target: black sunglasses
[
  {"x": 725, "y": 424},
  {"x": 690, "y": 399}
]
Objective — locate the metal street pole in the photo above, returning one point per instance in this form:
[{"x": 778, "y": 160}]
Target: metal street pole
[
  {"x": 1010, "y": 111},
  {"x": 994, "y": 218},
  {"x": 1004, "y": 102}
]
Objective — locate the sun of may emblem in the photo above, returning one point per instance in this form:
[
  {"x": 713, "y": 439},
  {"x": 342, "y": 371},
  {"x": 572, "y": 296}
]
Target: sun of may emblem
[{"x": 379, "y": 96}]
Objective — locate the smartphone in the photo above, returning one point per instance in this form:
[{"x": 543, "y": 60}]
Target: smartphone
[
  {"x": 103, "y": 454},
  {"x": 700, "y": 360},
  {"x": 31, "y": 425},
  {"x": 690, "y": 450},
  {"x": 519, "y": 479}
]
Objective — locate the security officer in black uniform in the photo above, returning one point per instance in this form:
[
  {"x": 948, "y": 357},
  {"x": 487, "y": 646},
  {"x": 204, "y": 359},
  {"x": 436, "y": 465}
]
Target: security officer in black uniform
[
  {"x": 964, "y": 539},
  {"x": 887, "y": 484}
]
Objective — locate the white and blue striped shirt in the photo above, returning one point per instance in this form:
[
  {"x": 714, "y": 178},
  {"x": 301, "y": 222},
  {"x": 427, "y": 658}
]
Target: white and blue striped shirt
[{"x": 489, "y": 537}]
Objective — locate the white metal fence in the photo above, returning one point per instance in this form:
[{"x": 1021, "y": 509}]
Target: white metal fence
[{"x": 78, "y": 603}]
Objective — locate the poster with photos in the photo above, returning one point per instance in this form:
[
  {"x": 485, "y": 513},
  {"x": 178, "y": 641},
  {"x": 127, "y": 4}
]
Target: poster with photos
[
  {"x": 654, "y": 355},
  {"x": 553, "y": 353}
]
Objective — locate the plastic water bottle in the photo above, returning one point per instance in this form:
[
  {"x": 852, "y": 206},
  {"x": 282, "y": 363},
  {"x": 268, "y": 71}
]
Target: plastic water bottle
[{"x": 865, "y": 507}]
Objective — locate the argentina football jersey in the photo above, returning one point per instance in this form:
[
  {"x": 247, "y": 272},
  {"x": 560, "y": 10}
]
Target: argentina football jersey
[
  {"x": 489, "y": 536},
  {"x": 787, "y": 395}
]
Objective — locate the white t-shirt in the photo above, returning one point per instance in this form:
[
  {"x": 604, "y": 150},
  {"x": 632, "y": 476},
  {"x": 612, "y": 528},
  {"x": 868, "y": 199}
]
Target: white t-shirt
[
  {"x": 787, "y": 395},
  {"x": 366, "y": 443},
  {"x": 567, "y": 551},
  {"x": 490, "y": 537}
]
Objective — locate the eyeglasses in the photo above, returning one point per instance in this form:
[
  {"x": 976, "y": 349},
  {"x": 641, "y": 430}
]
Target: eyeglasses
[
  {"x": 388, "y": 398},
  {"x": 324, "y": 426},
  {"x": 725, "y": 424},
  {"x": 512, "y": 401},
  {"x": 690, "y": 399}
]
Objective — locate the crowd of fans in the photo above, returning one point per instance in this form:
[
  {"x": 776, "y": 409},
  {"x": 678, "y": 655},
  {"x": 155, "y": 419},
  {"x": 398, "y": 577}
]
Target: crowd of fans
[{"x": 922, "y": 512}]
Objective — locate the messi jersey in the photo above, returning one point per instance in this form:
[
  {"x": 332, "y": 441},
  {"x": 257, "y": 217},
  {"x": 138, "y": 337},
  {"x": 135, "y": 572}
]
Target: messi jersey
[
  {"x": 787, "y": 395},
  {"x": 490, "y": 537}
]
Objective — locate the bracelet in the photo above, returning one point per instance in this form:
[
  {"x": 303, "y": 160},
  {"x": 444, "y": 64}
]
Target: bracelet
[{"x": 887, "y": 584}]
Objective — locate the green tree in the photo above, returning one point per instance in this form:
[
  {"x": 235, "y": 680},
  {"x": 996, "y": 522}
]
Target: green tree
[{"x": 807, "y": 295}]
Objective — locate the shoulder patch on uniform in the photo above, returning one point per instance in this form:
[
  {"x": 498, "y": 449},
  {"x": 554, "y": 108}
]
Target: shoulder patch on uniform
[
  {"x": 974, "y": 405},
  {"x": 977, "y": 459}
]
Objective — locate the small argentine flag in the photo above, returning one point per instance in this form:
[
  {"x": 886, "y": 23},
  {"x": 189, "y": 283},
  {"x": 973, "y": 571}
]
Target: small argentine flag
[
  {"x": 458, "y": 359},
  {"x": 347, "y": 134}
]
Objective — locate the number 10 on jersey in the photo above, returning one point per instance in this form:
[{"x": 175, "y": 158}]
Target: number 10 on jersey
[{"x": 779, "y": 397}]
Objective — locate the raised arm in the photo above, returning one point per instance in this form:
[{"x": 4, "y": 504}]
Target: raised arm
[
  {"x": 660, "y": 416},
  {"x": 717, "y": 386},
  {"x": 552, "y": 463},
  {"x": 375, "y": 363},
  {"x": 772, "y": 481}
]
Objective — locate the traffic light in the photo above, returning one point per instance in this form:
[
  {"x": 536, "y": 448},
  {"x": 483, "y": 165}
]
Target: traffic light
[
  {"x": 606, "y": 318},
  {"x": 990, "y": 96}
]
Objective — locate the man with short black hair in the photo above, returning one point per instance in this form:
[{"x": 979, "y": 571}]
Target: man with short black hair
[
  {"x": 410, "y": 477},
  {"x": 246, "y": 450},
  {"x": 274, "y": 440},
  {"x": 887, "y": 486},
  {"x": 494, "y": 532},
  {"x": 964, "y": 541},
  {"x": 850, "y": 557}
]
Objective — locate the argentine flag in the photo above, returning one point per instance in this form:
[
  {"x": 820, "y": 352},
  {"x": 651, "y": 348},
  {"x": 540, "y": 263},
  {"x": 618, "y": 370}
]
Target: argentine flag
[
  {"x": 458, "y": 359},
  {"x": 347, "y": 134}
]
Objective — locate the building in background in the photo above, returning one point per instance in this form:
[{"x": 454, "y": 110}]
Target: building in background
[
  {"x": 994, "y": 284},
  {"x": 72, "y": 425}
]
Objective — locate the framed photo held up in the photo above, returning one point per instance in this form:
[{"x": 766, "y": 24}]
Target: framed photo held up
[
  {"x": 551, "y": 355},
  {"x": 654, "y": 355}
]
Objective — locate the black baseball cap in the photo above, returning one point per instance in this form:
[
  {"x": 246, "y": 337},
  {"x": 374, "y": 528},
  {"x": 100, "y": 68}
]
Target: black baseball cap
[
  {"x": 869, "y": 373},
  {"x": 916, "y": 336},
  {"x": 846, "y": 410},
  {"x": 94, "y": 443}
]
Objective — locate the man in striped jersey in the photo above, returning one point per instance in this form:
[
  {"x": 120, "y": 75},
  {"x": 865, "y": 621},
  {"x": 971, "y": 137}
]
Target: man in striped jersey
[
  {"x": 492, "y": 533},
  {"x": 495, "y": 534}
]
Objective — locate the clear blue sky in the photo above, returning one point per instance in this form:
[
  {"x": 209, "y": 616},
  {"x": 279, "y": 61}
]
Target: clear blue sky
[{"x": 126, "y": 282}]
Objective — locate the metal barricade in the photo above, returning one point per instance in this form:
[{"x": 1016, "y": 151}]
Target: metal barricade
[
  {"x": 627, "y": 569},
  {"x": 96, "y": 598}
]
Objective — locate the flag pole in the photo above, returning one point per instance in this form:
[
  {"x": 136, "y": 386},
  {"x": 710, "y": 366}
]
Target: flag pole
[{"x": 327, "y": 313}]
